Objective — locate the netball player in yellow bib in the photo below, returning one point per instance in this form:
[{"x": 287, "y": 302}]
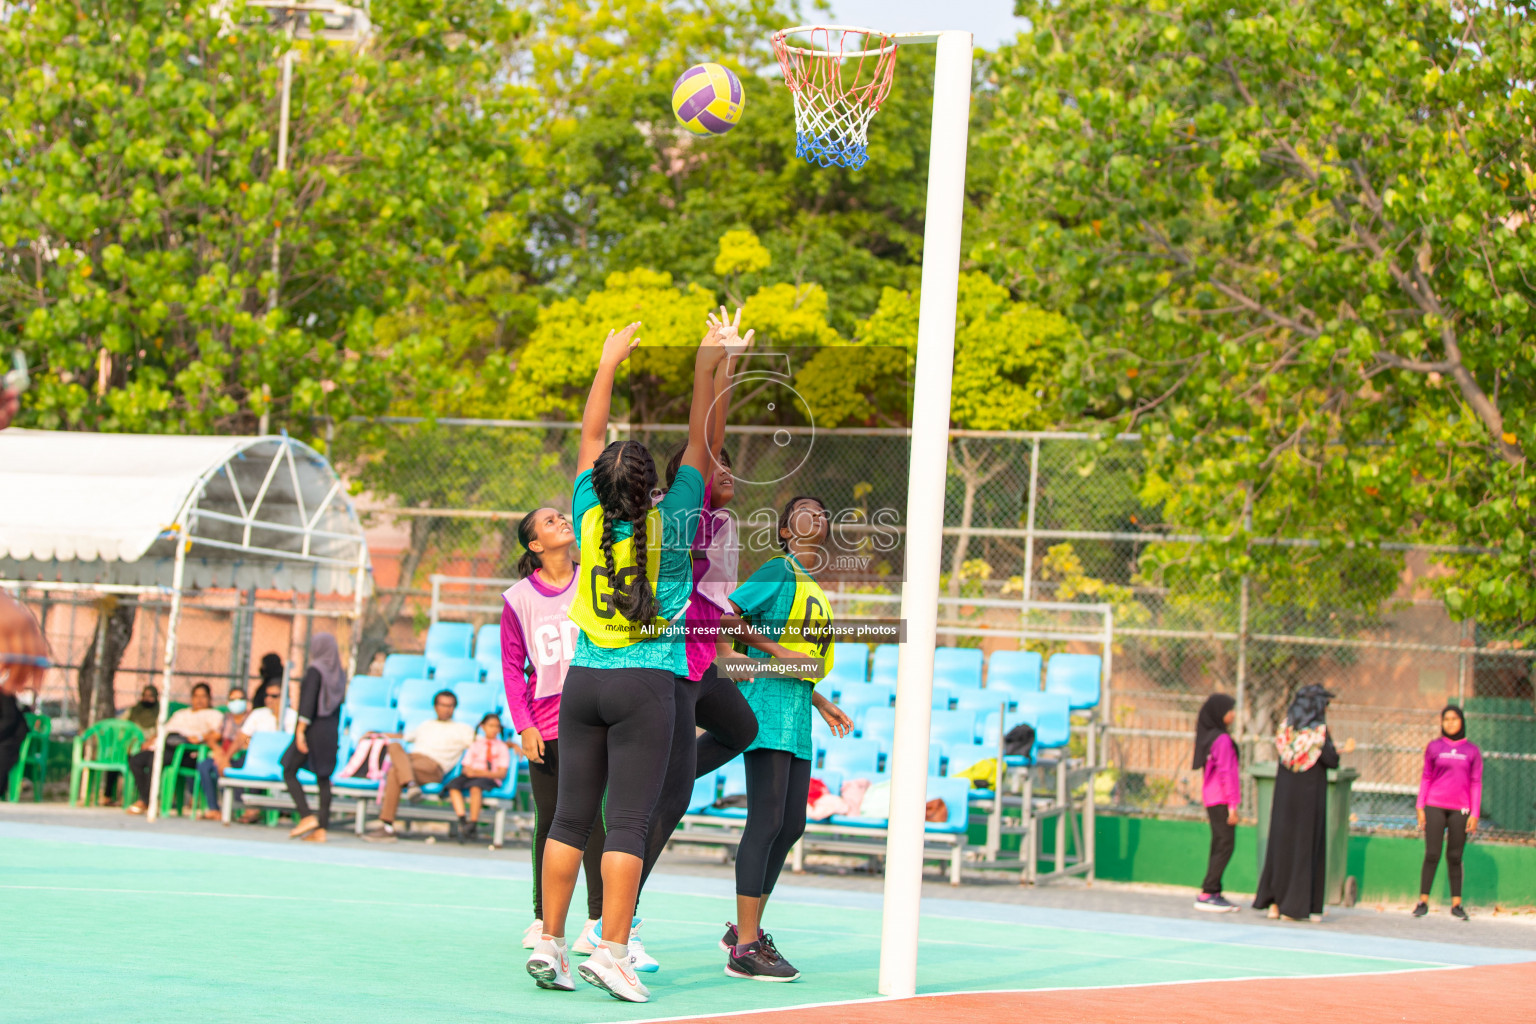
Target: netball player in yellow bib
[
  {"x": 616, "y": 709},
  {"x": 782, "y": 614}
]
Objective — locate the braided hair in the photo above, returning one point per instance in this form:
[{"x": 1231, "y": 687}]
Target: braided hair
[
  {"x": 623, "y": 478},
  {"x": 529, "y": 562}
]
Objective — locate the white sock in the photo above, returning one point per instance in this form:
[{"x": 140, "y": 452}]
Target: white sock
[{"x": 618, "y": 950}]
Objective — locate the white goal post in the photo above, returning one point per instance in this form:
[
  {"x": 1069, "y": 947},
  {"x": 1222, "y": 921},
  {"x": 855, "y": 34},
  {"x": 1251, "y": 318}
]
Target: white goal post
[{"x": 925, "y": 505}]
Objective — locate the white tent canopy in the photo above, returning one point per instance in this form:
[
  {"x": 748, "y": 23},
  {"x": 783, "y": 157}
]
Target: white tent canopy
[
  {"x": 149, "y": 512},
  {"x": 88, "y": 508}
]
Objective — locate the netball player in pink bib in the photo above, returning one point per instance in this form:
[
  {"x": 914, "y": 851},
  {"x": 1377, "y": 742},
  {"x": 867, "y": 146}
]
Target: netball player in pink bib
[{"x": 538, "y": 640}]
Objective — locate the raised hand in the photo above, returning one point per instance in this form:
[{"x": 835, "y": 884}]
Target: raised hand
[
  {"x": 619, "y": 344},
  {"x": 730, "y": 331}
]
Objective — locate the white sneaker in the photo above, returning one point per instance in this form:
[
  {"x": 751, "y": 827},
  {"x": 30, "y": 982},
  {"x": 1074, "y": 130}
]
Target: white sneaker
[
  {"x": 532, "y": 934},
  {"x": 590, "y": 938},
  {"x": 550, "y": 967},
  {"x": 616, "y": 978},
  {"x": 644, "y": 962}
]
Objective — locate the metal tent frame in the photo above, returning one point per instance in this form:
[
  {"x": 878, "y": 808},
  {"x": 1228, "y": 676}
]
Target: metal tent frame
[{"x": 150, "y": 514}]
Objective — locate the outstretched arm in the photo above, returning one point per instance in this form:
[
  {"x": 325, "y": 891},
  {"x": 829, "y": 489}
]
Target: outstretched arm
[
  {"x": 594, "y": 418},
  {"x": 720, "y": 408},
  {"x": 711, "y": 352}
]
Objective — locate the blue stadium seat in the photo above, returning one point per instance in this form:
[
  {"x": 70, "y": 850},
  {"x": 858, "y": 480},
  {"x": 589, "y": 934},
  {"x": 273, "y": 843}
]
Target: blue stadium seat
[
  {"x": 855, "y": 759},
  {"x": 960, "y": 756},
  {"x": 449, "y": 640},
  {"x": 877, "y": 723},
  {"x": 369, "y": 691},
  {"x": 449, "y": 672},
  {"x": 733, "y": 782},
  {"x": 821, "y": 737},
  {"x": 982, "y": 701},
  {"x": 405, "y": 666},
  {"x": 956, "y": 794},
  {"x": 703, "y": 793},
  {"x": 488, "y": 650},
  {"x": 1014, "y": 671},
  {"x": 942, "y": 698},
  {"x": 883, "y": 666},
  {"x": 411, "y": 717},
  {"x": 1050, "y": 715},
  {"x": 262, "y": 758},
  {"x": 476, "y": 700},
  {"x": 858, "y": 699},
  {"x": 953, "y": 728},
  {"x": 957, "y": 667},
  {"x": 1076, "y": 677},
  {"x": 850, "y": 664},
  {"x": 416, "y": 694},
  {"x": 360, "y": 721}
]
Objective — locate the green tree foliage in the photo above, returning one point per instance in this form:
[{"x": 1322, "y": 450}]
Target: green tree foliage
[
  {"x": 1297, "y": 239},
  {"x": 622, "y": 185},
  {"x": 141, "y": 202}
]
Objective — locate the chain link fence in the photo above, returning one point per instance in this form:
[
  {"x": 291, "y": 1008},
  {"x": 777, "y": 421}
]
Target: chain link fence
[{"x": 1043, "y": 517}]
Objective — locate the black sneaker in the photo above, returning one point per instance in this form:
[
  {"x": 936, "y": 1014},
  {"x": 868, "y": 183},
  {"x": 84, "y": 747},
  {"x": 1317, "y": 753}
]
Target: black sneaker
[
  {"x": 728, "y": 940},
  {"x": 757, "y": 964},
  {"x": 461, "y": 831},
  {"x": 1421, "y": 909},
  {"x": 766, "y": 941},
  {"x": 1459, "y": 911}
]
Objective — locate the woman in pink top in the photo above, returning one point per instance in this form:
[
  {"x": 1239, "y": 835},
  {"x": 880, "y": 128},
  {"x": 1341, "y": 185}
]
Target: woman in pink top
[
  {"x": 484, "y": 766},
  {"x": 538, "y": 640},
  {"x": 1450, "y": 800},
  {"x": 1221, "y": 791}
]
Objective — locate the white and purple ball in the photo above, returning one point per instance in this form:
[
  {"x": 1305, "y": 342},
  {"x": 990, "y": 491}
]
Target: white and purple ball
[{"x": 708, "y": 99}]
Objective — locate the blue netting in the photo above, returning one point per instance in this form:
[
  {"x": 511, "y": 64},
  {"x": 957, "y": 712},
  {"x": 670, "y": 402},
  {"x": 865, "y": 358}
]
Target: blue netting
[{"x": 829, "y": 151}]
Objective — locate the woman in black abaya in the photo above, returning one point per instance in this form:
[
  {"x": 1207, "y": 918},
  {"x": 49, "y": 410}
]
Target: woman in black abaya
[{"x": 1294, "y": 862}]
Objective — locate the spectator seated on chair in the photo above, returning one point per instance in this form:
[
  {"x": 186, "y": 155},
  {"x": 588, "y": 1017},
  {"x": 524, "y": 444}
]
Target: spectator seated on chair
[
  {"x": 198, "y": 723},
  {"x": 484, "y": 767},
  {"x": 436, "y": 746},
  {"x": 144, "y": 714},
  {"x": 261, "y": 719},
  {"x": 228, "y": 752}
]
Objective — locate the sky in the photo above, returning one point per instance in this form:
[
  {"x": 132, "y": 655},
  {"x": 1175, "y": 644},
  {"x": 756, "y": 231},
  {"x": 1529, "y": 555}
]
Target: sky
[{"x": 991, "y": 21}]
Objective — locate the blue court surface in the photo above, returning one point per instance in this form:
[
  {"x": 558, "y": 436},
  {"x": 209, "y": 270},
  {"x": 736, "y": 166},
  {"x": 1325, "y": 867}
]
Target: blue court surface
[{"x": 143, "y": 925}]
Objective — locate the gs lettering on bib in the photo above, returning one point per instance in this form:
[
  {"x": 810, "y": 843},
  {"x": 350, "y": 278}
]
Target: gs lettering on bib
[{"x": 600, "y": 585}]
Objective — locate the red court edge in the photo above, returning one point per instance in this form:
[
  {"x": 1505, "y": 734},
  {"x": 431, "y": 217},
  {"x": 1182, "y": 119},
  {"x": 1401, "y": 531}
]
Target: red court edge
[{"x": 1505, "y": 994}]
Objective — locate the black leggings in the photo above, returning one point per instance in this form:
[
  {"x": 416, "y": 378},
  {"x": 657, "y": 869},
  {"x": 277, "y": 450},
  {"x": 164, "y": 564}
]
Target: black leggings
[
  {"x": 777, "y": 785},
  {"x": 716, "y": 705},
  {"x": 615, "y": 734},
  {"x": 1450, "y": 827},
  {"x": 296, "y": 791},
  {"x": 1223, "y": 839},
  {"x": 544, "y": 779}
]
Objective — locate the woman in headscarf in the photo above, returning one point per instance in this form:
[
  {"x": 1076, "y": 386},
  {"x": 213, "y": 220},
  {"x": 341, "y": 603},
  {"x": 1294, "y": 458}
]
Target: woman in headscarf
[
  {"x": 1221, "y": 791},
  {"x": 1292, "y": 883},
  {"x": 321, "y": 692},
  {"x": 1450, "y": 800}
]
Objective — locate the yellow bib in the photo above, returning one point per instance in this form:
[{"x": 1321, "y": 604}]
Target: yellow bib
[
  {"x": 808, "y": 630},
  {"x": 595, "y": 606}
]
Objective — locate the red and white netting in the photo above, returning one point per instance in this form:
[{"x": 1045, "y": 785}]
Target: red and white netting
[{"x": 839, "y": 77}]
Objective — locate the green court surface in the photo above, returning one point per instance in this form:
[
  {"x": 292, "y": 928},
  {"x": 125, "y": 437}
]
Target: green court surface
[{"x": 98, "y": 928}]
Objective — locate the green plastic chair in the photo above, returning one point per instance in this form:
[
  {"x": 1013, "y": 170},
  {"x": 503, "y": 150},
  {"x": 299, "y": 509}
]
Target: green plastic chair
[
  {"x": 34, "y": 756},
  {"x": 180, "y": 770},
  {"x": 116, "y": 738}
]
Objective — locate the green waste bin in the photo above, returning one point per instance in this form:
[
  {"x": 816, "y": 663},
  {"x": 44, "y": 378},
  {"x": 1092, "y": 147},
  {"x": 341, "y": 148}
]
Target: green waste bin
[{"x": 1338, "y": 886}]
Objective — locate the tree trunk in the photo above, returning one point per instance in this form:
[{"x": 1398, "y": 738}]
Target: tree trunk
[
  {"x": 973, "y": 472},
  {"x": 383, "y": 611},
  {"x": 119, "y": 618}
]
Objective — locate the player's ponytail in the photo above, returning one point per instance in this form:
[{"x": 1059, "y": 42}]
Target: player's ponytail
[
  {"x": 623, "y": 478},
  {"x": 529, "y": 562}
]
